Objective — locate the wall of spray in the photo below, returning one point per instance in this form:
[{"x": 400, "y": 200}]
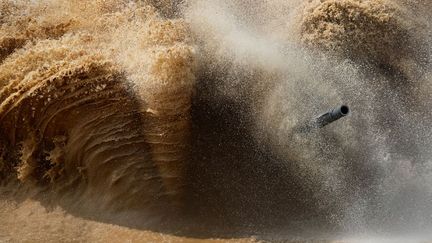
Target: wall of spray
[
  {"x": 283, "y": 63},
  {"x": 212, "y": 93}
]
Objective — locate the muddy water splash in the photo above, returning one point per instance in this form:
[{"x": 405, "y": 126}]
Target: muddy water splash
[
  {"x": 96, "y": 95},
  {"x": 97, "y": 102}
]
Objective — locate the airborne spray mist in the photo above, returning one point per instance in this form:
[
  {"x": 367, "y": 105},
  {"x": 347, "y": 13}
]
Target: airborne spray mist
[
  {"x": 287, "y": 61},
  {"x": 155, "y": 108}
]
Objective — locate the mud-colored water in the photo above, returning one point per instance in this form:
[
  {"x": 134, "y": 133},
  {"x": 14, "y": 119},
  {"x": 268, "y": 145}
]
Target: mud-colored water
[{"x": 178, "y": 120}]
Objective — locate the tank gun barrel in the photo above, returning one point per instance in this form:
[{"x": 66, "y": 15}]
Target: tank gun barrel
[
  {"x": 327, "y": 118},
  {"x": 331, "y": 116}
]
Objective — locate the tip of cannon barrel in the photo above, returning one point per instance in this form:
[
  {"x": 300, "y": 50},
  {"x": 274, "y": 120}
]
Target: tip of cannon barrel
[{"x": 345, "y": 110}]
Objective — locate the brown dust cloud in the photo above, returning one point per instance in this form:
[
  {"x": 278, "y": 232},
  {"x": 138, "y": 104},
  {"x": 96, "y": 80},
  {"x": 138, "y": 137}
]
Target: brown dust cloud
[{"x": 177, "y": 121}]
